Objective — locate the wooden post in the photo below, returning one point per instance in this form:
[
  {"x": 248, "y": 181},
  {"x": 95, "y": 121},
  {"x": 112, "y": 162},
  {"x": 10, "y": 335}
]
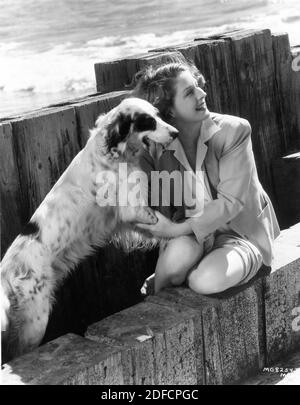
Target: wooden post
[
  {"x": 286, "y": 173},
  {"x": 46, "y": 142},
  {"x": 118, "y": 74},
  {"x": 11, "y": 199},
  {"x": 253, "y": 56},
  {"x": 283, "y": 75}
]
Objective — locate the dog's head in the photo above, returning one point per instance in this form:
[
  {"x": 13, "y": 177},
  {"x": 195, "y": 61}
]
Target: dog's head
[{"x": 133, "y": 126}]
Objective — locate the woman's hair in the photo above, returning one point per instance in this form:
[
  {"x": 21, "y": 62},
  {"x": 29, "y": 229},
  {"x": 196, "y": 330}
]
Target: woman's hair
[{"x": 156, "y": 84}]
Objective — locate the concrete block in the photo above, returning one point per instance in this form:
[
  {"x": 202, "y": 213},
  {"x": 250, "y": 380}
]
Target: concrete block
[
  {"x": 160, "y": 344},
  {"x": 68, "y": 360},
  {"x": 232, "y": 327},
  {"x": 285, "y": 372},
  {"x": 282, "y": 299}
]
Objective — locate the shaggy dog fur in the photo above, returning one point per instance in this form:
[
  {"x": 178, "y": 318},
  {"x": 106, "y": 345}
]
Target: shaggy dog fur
[{"x": 69, "y": 223}]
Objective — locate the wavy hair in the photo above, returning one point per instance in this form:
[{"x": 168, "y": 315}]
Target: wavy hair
[{"x": 156, "y": 84}]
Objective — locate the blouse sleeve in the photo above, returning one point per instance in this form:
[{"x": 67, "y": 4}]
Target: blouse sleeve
[{"x": 236, "y": 165}]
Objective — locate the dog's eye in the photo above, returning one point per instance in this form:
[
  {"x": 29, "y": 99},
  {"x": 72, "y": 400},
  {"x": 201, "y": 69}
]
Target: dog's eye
[{"x": 145, "y": 122}]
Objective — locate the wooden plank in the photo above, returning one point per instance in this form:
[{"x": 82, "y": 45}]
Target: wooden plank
[
  {"x": 46, "y": 143},
  {"x": 283, "y": 75},
  {"x": 282, "y": 297},
  {"x": 253, "y": 56},
  {"x": 117, "y": 74},
  {"x": 286, "y": 174},
  {"x": 11, "y": 199},
  {"x": 171, "y": 352},
  {"x": 69, "y": 360},
  {"x": 232, "y": 324}
]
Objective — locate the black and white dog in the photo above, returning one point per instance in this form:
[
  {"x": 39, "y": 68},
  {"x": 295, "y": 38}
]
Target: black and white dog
[{"x": 70, "y": 223}]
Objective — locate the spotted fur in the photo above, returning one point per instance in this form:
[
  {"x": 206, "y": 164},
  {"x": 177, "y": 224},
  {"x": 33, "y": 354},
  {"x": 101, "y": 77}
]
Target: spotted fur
[{"x": 69, "y": 223}]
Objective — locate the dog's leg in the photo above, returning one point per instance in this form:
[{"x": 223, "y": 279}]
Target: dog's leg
[
  {"x": 27, "y": 285},
  {"x": 138, "y": 214}
]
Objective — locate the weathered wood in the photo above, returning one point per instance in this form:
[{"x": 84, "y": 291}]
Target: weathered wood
[
  {"x": 171, "y": 352},
  {"x": 283, "y": 75},
  {"x": 285, "y": 372},
  {"x": 233, "y": 339},
  {"x": 286, "y": 174},
  {"x": 253, "y": 56},
  {"x": 117, "y": 74},
  {"x": 45, "y": 144},
  {"x": 68, "y": 360},
  {"x": 282, "y": 297},
  {"x": 11, "y": 200}
]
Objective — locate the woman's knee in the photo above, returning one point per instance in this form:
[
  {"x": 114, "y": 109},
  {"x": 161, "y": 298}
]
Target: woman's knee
[
  {"x": 180, "y": 255},
  {"x": 205, "y": 282},
  {"x": 221, "y": 269}
]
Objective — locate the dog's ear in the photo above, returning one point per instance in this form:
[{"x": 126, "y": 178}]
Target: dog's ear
[
  {"x": 125, "y": 122},
  {"x": 117, "y": 131}
]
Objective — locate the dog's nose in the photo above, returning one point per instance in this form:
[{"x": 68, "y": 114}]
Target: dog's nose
[{"x": 174, "y": 134}]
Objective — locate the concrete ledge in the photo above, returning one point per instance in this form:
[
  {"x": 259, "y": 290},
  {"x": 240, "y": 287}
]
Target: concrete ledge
[
  {"x": 179, "y": 337},
  {"x": 160, "y": 344},
  {"x": 68, "y": 360},
  {"x": 231, "y": 330},
  {"x": 282, "y": 297},
  {"x": 285, "y": 372}
]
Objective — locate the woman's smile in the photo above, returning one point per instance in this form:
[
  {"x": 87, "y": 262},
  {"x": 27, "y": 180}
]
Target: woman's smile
[{"x": 201, "y": 106}]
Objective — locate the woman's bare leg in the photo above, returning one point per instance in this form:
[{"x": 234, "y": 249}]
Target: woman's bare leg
[
  {"x": 219, "y": 270},
  {"x": 175, "y": 261}
]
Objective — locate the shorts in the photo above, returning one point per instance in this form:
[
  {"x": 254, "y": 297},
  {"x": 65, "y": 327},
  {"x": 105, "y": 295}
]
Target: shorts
[{"x": 251, "y": 256}]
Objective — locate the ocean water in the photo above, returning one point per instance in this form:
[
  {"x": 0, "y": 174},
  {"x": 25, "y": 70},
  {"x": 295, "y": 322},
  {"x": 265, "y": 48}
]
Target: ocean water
[{"x": 48, "y": 47}]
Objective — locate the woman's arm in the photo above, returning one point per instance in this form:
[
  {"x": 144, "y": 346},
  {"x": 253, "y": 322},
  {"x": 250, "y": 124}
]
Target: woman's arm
[
  {"x": 236, "y": 167},
  {"x": 165, "y": 228}
]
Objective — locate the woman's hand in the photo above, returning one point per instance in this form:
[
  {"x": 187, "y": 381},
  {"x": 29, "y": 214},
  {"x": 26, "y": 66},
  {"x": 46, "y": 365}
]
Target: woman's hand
[{"x": 164, "y": 227}]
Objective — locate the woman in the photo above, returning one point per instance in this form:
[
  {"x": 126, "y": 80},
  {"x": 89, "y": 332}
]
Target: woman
[{"x": 223, "y": 239}]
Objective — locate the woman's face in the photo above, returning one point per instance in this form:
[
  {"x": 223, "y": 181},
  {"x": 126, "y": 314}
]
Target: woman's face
[{"x": 189, "y": 102}]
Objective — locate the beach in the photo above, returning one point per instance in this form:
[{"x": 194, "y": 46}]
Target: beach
[{"x": 48, "y": 49}]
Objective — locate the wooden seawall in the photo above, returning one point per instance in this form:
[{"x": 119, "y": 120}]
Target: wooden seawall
[{"x": 248, "y": 73}]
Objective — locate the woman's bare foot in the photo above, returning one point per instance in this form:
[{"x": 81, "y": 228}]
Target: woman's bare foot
[{"x": 148, "y": 286}]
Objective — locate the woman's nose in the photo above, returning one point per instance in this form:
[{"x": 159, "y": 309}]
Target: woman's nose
[{"x": 201, "y": 93}]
